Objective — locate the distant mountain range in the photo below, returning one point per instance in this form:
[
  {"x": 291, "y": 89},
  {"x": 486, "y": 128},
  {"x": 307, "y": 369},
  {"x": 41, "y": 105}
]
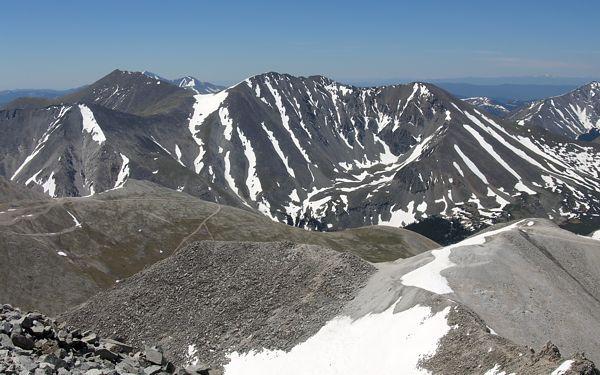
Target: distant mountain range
[
  {"x": 306, "y": 151},
  {"x": 506, "y": 92},
  {"x": 7, "y": 96},
  {"x": 575, "y": 114},
  {"x": 492, "y": 106},
  {"x": 189, "y": 82},
  {"x": 25, "y": 95}
]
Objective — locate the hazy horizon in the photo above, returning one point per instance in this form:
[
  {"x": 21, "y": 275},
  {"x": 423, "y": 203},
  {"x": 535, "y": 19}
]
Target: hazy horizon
[
  {"x": 68, "y": 44},
  {"x": 358, "y": 81}
]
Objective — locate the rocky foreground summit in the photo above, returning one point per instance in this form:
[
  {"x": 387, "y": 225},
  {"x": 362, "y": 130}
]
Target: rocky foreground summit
[{"x": 32, "y": 343}]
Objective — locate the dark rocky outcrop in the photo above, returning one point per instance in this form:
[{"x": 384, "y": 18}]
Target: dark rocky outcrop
[{"x": 32, "y": 343}]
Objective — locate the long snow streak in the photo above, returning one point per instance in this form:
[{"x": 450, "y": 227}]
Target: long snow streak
[
  {"x": 90, "y": 125},
  {"x": 279, "y": 151},
  {"x": 229, "y": 178},
  {"x": 285, "y": 120},
  {"x": 471, "y": 165},
  {"x": 252, "y": 180},
  {"x": 123, "y": 172},
  {"x": 178, "y": 154},
  {"x": 42, "y": 142},
  {"x": 490, "y": 150}
]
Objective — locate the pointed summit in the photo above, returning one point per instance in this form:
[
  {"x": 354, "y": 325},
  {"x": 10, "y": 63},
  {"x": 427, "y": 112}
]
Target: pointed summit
[{"x": 125, "y": 91}]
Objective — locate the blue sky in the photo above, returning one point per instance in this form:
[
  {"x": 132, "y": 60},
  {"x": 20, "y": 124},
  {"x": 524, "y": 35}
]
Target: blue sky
[{"x": 61, "y": 44}]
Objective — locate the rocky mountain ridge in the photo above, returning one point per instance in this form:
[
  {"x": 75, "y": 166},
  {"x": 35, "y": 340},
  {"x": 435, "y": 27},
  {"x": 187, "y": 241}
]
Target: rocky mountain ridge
[
  {"x": 306, "y": 151},
  {"x": 573, "y": 114},
  {"x": 200, "y": 87},
  {"x": 489, "y": 105}
]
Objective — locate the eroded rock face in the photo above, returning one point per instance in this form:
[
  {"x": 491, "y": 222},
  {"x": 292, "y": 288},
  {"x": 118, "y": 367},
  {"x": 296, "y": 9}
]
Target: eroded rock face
[{"x": 32, "y": 343}]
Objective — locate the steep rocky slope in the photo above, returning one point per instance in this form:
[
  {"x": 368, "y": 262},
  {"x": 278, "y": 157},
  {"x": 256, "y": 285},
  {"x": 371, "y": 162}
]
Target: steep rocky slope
[
  {"x": 306, "y": 151},
  {"x": 57, "y": 253},
  {"x": 573, "y": 115},
  {"x": 474, "y": 307}
]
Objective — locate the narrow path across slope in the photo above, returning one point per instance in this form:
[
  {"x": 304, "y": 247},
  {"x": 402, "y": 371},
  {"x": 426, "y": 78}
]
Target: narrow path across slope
[{"x": 203, "y": 223}]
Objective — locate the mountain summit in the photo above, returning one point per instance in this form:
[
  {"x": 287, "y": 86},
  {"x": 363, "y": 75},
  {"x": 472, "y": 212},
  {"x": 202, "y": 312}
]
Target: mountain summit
[
  {"x": 190, "y": 82},
  {"x": 572, "y": 115}
]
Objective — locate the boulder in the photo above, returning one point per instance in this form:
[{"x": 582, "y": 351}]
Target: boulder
[
  {"x": 5, "y": 341},
  {"x": 153, "y": 369},
  {"x": 23, "y": 342},
  {"x": 153, "y": 355}
]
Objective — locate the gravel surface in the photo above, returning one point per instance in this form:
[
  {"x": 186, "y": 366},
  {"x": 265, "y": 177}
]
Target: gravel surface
[{"x": 226, "y": 296}]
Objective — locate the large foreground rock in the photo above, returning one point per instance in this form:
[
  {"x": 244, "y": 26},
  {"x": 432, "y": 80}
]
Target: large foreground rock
[{"x": 32, "y": 343}]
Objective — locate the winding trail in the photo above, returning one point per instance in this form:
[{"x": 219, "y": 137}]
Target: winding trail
[{"x": 203, "y": 223}]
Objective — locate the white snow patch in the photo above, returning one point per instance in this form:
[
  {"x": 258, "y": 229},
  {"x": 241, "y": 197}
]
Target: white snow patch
[
  {"x": 77, "y": 223},
  {"x": 496, "y": 371},
  {"x": 123, "y": 173},
  {"x": 178, "y": 154},
  {"x": 90, "y": 125},
  {"x": 252, "y": 180},
  {"x": 377, "y": 343},
  {"x": 191, "y": 357},
  {"x": 49, "y": 185},
  {"x": 400, "y": 217},
  {"x": 429, "y": 276},
  {"x": 563, "y": 368},
  {"x": 204, "y": 106},
  {"x": 520, "y": 186}
]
